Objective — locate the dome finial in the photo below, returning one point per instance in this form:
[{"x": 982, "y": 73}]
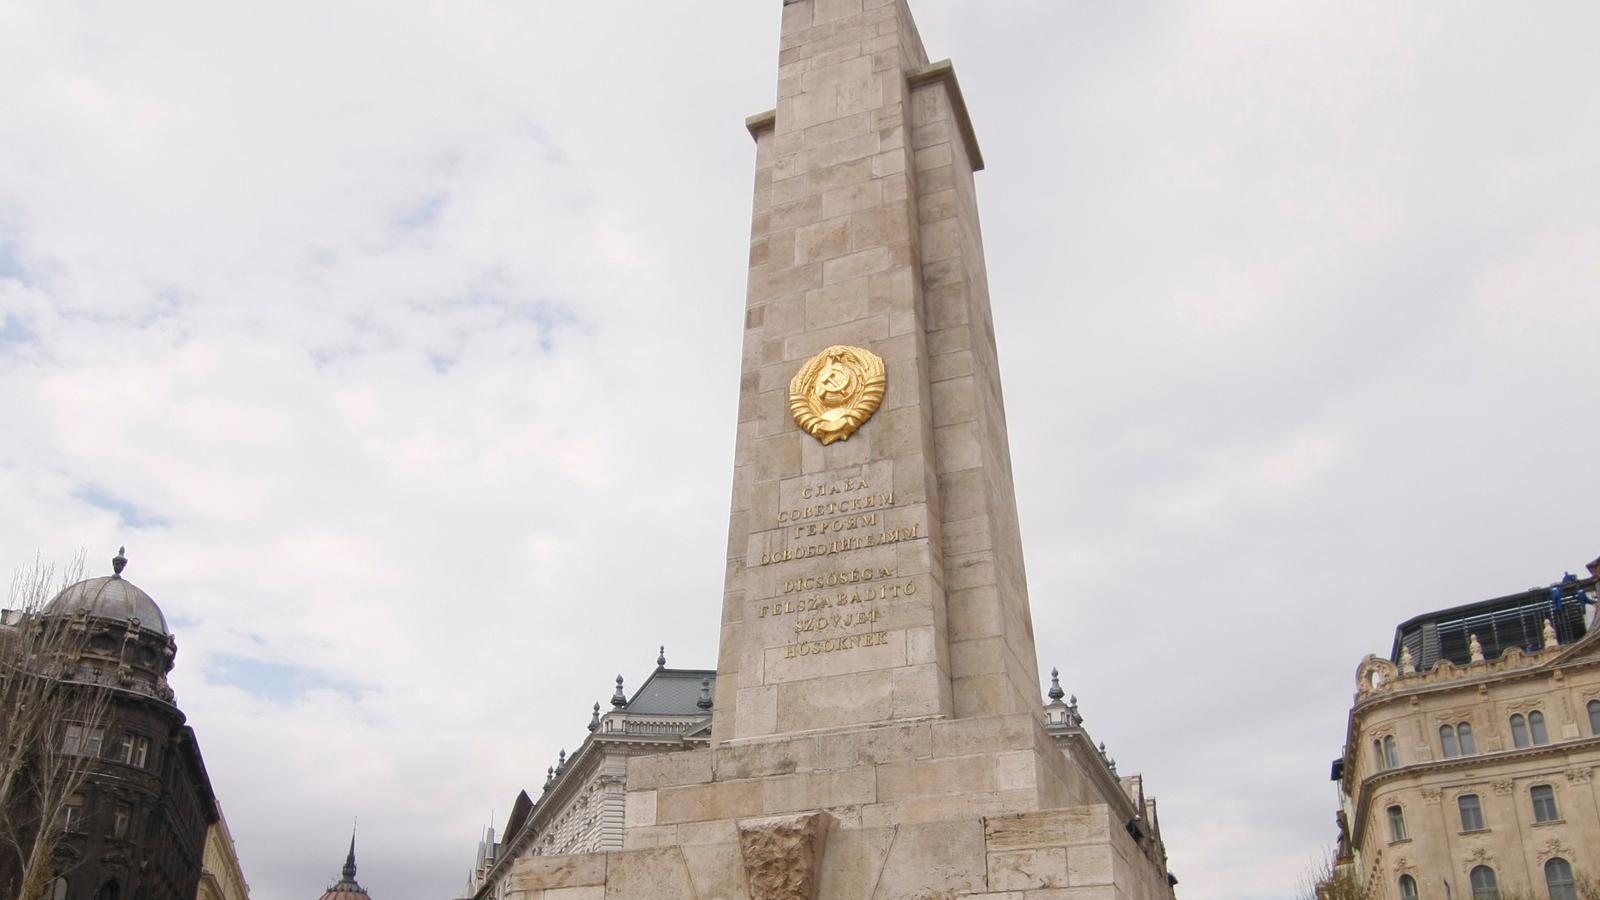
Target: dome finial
[
  {"x": 594, "y": 720},
  {"x": 1056, "y": 693},
  {"x": 119, "y": 562},
  {"x": 705, "y": 694},
  {"x": 661, "y": 658},
  {"x": 619, "y": 699}
]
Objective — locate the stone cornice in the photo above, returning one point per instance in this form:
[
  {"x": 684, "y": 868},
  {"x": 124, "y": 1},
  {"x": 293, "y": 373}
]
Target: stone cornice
[
  {"x": 944, "y": 72},
  {"x": 941, "y": 72}
]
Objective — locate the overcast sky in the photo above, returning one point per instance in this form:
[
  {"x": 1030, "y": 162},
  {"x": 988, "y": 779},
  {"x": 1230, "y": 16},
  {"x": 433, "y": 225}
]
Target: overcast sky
[{"x": 399, "y": 344}]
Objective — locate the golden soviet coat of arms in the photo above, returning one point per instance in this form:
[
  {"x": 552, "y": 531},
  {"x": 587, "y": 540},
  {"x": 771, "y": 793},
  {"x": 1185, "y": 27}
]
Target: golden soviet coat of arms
[{"x": 836, "y": 391}]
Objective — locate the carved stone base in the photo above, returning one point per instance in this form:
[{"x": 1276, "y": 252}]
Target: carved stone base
[{"x": 783, "y": 855}]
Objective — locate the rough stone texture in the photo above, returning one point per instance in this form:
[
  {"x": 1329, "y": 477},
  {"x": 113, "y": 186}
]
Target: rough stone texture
[{"x": 783, "y": 855}]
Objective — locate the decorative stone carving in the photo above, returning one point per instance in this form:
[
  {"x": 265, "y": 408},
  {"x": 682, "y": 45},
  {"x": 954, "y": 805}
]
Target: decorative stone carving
[
  {"x": 1406, "y": 666},
  {"x": 1479, "y": 856},
  {"x": 1552, "y": 848},
  {"x": 1550, "y": 640},
  {"x": 783, "y": 855},
  {"x": 1375, "y": 674},
  {"x": 1474, "y": 648},
  {"x": 836, "y": 391},
  {"x": 1580, "y": 776},
  {"x": 1503, "y": 787},
  {"x": 1430, "y": 795}
]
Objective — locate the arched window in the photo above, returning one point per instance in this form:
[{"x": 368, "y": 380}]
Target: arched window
[
  {"x": 1408, "y": 888},
  {"x": 1469, "y": 744},
  {"x": 1536, "y": 725},
  {"x": 1447, "y": 741},
  {"x": 1544, "y": 803},
  {"x": 1558, "y": 878},
  {"x": 1594, "y": 717},
  {"x": 1391, "y": 752},
  {"x": 1519, "y": 731},
  {"x": 1377, "y": 755},
  {"x": 1484, "y": 885},
  {"x": 108, "y": 891},
  {"x": 1397, "y": 823},
  {"x": 1471, "y": 812}
]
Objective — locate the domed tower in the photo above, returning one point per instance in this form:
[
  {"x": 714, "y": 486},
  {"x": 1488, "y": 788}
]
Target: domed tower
[
  {"x": 347, "y": 888},
  {"x": 135, "y": 828}
]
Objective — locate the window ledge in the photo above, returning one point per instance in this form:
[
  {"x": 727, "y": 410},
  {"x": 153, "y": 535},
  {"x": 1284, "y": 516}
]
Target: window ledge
[
  {"x": 1550, "y": 822},
  {"x": 1404, "y": 840}
]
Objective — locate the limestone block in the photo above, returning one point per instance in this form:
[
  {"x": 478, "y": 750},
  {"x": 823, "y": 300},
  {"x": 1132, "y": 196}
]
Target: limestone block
[
  {"x": 717, "y": 870},
  {"x": 782, "y": 855},
  {"x": 852, "y": 699},
  {"x": 695, "y": 833},
  {"x": 727, "y": 800},
  {"x": 669, "y": 770},
  {"x": 768, "y": 758},
  {"x": 596, "y": 892},
  {"x": 820, "y": 790},
  {"x": 532, "y": 873},
  {"x": 934, "y": 860},
  {"x": 1075, "y": 893},
  {"x": 936, "y": 777},
  {"x": 959, "y": 737},
  {"x": 854, "y": 862},
  {"x": 639, "y": 809},
  {"x": 657, "y": 874},
  {"x": 646, "y": 836},
  {"x": 1045, "y": 867},
  {"x": 1089, "y": 864}
]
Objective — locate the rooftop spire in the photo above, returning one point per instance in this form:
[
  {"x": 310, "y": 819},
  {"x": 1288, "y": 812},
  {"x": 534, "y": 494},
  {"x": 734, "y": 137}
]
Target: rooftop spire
[
  {"x": 1056, "y": 693},
  {"x": 661, "y": 658},
  {"x": 119, "y": 561},
  {"x": 349, "y": 871}
]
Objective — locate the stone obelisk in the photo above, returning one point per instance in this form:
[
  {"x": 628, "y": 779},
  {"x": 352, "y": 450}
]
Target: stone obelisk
[
  {"x": 877, "y": 726},
  {"x": 878, "y": 577}
]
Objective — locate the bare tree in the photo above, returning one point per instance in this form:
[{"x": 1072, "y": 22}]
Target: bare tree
[
  {"x": 1327, "y": 880},
  {"x": 52, "y": 723}
]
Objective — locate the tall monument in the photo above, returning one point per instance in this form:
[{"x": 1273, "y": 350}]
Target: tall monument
[{"x": 877, "y": 728}]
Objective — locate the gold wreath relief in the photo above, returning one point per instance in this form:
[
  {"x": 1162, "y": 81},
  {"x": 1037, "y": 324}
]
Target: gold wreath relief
[{"x": 836, "y": 391}]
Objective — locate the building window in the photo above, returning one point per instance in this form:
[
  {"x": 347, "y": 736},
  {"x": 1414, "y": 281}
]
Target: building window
[
  {"x": 119, "y": 821},
  {"x": 1469, "y": 744},
  {"x": 1544, "y": 803},
  {"x": 1408, "y": 888},
  {"x": 80, "y": 740},
  {"x": 1447, "y": 741},
  {"x": 1558, "y": 878},
  {"x": 1519, "y": 731},
  {"x": 1484, "y": 885},
  {"x": 1391, "y": 753},
  {"x": 135, "y": 750},
  {"x": 1397, "y": 824},
  {"x": 1377, "y": 756},
  {"x": 72, "y": 814},
  {"x": 58, "y": 889},
  {"x": 1471, "y": 812},
  {"x": 1536, "y": 726}
]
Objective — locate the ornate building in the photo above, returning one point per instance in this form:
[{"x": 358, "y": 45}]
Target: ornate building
[
  {"x": 1471, "y": 750},
  {"x": 137, "y": 828},
  {"x": 581, "y": 805}
]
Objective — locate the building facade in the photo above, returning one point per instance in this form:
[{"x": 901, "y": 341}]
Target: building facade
[
  {"x": 221, "y": 876},
  {"x": 137, "y": 826},
  {"x": 581, "y": 805},
  {"x": 1471, "y": 750}
]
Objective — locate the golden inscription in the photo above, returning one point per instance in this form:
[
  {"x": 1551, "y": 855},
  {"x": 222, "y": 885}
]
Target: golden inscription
[
  {"x": 836, "y": 391},
  {"x": 842, "y": 545},
  {"x": 848, "y": 642}
]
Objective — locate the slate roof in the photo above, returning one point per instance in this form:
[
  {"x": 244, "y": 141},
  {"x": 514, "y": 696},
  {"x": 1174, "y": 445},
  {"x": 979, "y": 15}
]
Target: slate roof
[
  {"x": 671, "y": 692},
  {"x": 110, "y": 597}
]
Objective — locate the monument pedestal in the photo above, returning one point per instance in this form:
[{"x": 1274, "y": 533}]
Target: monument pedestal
[{"x": 877, "y": 731}]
